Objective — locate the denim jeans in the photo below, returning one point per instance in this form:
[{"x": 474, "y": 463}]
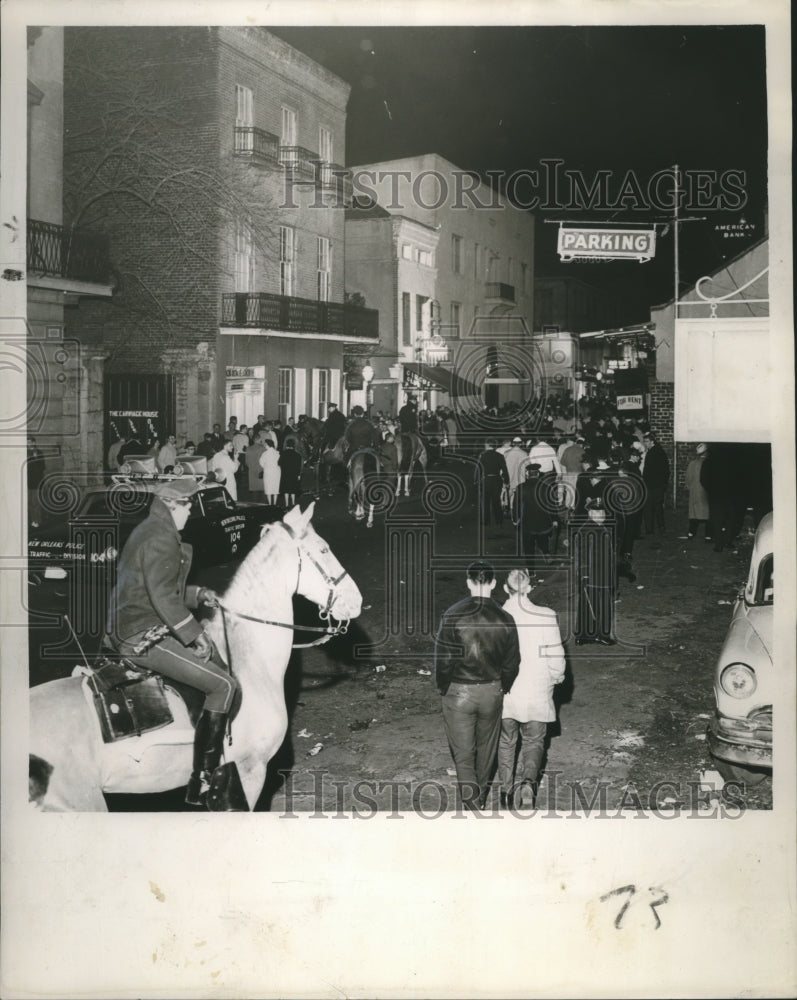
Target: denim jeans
[
  {"x": 472, "y": 717},
  {"x": 531, "y": 750}
]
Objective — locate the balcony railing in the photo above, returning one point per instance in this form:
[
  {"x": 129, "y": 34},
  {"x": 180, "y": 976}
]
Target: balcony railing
[
  {"x": 63, "y": 252},
  {"x": 300, "y": 162},
  {"x": 261, "y": 146},
  {"x": 498, "y": 290},
  {"x": 292, "y": 314}
]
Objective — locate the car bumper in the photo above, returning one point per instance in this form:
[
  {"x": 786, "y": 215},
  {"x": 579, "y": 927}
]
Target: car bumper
[{"x": 740, "y": 741}]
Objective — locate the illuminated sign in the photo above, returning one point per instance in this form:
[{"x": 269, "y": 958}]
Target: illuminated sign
[{"x": 606, "y": 244}]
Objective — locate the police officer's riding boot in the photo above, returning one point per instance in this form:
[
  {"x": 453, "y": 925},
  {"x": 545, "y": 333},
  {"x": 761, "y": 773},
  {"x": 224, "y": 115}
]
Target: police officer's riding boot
[
  {"x": 208, "y": 740},
  {"x": 507, "y": 800}
]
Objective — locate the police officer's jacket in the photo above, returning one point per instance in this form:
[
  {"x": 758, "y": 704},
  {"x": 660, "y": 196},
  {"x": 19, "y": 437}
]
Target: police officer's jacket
[{"x": 150, "y": 585}]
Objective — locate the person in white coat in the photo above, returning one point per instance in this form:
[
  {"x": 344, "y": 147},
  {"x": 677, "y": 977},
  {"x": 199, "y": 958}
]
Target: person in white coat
[
  {"x": 270, "y": 464},
  {"x": 223, "y": 466},
  {"x": 528, "y": 708}
]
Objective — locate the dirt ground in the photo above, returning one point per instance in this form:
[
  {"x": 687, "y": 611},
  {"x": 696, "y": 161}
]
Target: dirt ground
[{"x": 366, "y": 728}]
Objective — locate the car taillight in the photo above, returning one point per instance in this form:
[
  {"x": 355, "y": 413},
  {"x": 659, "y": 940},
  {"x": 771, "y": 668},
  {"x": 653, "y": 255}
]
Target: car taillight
[{"x": 738, "y": 680}]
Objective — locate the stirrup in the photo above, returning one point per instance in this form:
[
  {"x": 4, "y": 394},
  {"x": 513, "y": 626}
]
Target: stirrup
[{"x": 197, "y": 789}]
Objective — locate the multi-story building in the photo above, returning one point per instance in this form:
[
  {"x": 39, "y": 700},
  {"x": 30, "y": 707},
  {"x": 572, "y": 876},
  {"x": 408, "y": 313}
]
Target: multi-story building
[
  {"x": 65, "y": 266},
  {"x": 210, "y": 156},
  {"x": 445, "y": 250}
]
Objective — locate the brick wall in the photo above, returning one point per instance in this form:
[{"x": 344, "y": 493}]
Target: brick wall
[{"x": 661, "y": 417}]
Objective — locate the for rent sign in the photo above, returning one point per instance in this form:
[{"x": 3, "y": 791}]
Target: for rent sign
[{"x": 607, "y": 244}]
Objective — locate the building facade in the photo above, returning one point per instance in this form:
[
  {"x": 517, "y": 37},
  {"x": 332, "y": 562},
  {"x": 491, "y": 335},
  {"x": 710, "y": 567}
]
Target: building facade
[
  {"x": 66, "y": 267},
  {"x": 210, "y": 157},
  {"x": 458, "y": 252}
]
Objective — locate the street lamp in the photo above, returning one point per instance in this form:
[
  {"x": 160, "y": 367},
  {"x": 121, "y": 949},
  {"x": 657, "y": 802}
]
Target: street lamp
[{"x": 368, "y": 374}]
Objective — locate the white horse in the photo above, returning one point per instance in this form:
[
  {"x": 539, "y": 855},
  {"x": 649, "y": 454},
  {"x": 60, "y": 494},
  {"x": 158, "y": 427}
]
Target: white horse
[{"x": 253, "y": 629}]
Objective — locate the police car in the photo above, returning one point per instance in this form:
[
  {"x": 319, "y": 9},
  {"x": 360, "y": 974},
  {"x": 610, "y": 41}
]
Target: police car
[{"x": 219, "y": 529}]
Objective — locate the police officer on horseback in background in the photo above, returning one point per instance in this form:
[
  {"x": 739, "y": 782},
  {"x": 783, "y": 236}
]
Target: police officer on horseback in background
[
  {"x": 360, "y": 433},
  {"x": 334, "y": 427},
  {"x": 150, "y": 623}
]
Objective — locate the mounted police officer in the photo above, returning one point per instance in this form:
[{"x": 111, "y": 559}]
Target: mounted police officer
[{"x": 149, "y": 608}]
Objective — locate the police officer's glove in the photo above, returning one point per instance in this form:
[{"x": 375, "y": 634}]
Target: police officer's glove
[
  {"x": 203, "y": 647},
  {"x": 208, "y": 597}
]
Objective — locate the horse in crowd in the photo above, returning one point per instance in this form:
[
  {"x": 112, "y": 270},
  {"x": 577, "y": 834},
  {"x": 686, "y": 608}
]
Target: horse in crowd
[{"x": 70, "y": 764}]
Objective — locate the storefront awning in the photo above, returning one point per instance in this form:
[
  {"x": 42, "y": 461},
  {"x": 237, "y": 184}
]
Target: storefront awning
[{"x": 428, "y": 376}]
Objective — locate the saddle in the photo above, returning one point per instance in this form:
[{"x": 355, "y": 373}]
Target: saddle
[{"x": 128, "y": 699}]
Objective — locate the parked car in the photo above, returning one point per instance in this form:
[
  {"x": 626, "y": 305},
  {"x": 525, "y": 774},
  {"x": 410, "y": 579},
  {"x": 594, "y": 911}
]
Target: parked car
[
  {"x": 219, "y": 529},
  {"x": 740, "y": 733}
]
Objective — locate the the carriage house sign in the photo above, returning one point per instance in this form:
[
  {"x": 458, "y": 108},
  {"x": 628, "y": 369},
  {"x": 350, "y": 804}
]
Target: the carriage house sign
[{"x": 606, "y": 244}]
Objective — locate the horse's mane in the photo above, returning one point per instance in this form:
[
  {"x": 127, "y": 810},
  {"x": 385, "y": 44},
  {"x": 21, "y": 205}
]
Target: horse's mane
[{"x": 250, "y": 573}]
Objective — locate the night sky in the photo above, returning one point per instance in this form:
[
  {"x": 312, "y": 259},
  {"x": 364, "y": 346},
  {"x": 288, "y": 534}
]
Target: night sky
[{"x": 614, "y": 99}]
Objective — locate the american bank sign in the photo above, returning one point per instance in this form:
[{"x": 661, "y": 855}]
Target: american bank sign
[{"x": 606, "y": 244}]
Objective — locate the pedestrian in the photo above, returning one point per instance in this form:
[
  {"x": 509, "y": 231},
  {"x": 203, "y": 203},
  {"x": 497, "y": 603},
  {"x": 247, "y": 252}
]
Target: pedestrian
[
  {"x": 491, "y": 474},
  {"x": 698, "y": 498},
  {"x": 290, "y": 463},
  {"x": 528, "y": 707},
  {"x": 232, "y": 429},
  {"x": 572, "y": 466},
  {"x": 655, "y": 475},
  {"x": 388, "y": 462},
  {"x": 594, "y": 564},
  {"x": 207, "y": 448},
  {"x": 151, "y": 591},
  {"x": 167, "y": 455},
  {"x": 476, "y": 661},
  {"x": 217, "y": 438},
  {"x": 532, "y": 512},
  {"x": 240, "y": 441},
  {"x": 269, "y": 464},
  {"x": 450, "y": 425},
  {"x": 516, "y": 460},
  {"x": 254, "y": 471},
  {"x": 544, "y": 455},
  {"x": 35, "y": 470},
  {"x": 223, "y": 466}
]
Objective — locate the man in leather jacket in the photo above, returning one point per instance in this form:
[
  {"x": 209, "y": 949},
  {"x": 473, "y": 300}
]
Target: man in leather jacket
[
  {"x": 151, "y": 591},
  {"x": 477, "y": 656}
]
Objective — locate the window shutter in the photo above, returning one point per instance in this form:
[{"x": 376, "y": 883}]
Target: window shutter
[
  {"x": 334, "y": 386},
  {"x": 314, "y": 382},
  {"x": 300, "y": 393}
]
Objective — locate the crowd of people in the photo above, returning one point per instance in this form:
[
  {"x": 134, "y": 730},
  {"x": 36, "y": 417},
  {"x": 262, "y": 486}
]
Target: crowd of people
[{"x": 261, "y": 462}]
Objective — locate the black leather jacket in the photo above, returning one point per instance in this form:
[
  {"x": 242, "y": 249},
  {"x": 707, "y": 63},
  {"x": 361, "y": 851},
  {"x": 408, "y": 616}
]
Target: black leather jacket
[{"x": 477, "y": 642}]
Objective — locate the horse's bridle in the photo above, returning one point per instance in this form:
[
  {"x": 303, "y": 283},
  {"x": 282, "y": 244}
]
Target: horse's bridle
[{"x": 324, "y": 611}]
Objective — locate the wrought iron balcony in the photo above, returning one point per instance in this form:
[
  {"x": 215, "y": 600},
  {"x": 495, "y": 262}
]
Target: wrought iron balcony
[
  {"x": 335, "y": 179},
  {"x": 300, "y": 162},
  {"x": 498, "y": 290},
  {"x": 63, "y": 252},
  {"x": 268, "y": 311},
  {"x": 259, "y": 145}
]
